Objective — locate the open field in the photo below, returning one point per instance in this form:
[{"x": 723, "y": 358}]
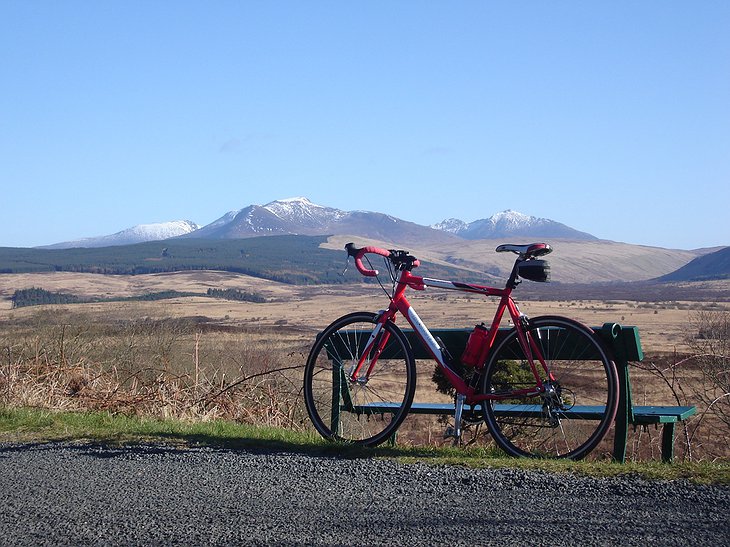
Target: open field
[
  {"x": 663, "y": 325},
  {"x": 202, "y": 358}
]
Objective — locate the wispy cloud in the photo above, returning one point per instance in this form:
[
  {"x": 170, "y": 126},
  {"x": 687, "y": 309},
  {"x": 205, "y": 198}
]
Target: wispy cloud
[{"x": 231, "y": 146}]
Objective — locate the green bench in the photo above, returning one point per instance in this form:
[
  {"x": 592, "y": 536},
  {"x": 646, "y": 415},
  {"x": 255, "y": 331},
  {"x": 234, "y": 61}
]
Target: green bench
[{"x": 624, "y": 344}]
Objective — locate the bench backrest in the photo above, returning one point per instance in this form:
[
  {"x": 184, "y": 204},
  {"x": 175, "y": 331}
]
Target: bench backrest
[{"x": 623, "y": 342}]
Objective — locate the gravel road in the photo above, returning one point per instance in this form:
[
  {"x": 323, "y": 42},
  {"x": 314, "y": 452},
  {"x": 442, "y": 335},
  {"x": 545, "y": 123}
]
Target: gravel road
[{"x": 61, "y": 494}]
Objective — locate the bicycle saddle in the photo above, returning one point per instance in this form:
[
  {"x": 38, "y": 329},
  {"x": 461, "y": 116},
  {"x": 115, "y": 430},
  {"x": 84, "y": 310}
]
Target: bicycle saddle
[{"x": 531, "y": 250}]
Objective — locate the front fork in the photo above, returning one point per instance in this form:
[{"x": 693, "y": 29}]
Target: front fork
[
  {"x": 535, "y": 357},
  {"x": 373, "y": 349},
  {"x": 550, "y": 389}
]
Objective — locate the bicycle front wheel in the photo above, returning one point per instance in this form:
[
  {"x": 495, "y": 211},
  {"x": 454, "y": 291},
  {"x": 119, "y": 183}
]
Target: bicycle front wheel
[
  {"x": 368, "y": 409},
  {"x": 578, "y": 404}
]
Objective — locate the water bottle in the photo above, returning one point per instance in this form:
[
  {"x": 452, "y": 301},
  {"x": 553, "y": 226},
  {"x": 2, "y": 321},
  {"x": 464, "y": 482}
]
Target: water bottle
[{"x": 475, "y": 345}]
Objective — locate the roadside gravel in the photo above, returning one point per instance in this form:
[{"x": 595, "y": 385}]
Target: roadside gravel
[{"x": 65, "y": 494}]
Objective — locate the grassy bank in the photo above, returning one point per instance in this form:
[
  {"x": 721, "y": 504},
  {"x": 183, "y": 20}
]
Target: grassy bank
[{"x": 38, "y": 426}]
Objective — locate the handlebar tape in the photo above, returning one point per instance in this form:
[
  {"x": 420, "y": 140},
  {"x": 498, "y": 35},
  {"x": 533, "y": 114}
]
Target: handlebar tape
[{"x": 357, "y": 254}]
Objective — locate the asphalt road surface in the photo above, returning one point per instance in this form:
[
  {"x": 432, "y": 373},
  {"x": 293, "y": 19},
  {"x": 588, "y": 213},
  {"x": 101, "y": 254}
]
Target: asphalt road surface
[{"x": 62, "y": 494}]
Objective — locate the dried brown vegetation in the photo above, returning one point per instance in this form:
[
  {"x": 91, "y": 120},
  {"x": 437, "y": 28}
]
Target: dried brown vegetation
[
  {"x": 162, "y": 368},
  {"x": 198, "y": 359},
  {"x": 700, "y": 377}
]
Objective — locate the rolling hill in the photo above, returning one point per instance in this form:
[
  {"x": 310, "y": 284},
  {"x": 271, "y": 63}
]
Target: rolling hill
[
  {"x": 714, "y": 265},
  {"x": 289, "y": 235}
]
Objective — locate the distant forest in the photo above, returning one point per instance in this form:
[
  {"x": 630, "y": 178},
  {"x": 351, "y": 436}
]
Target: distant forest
[
  {"x": 288, "y": 259},
  {"x": 296, "y": 260},
  {"x": 236, "y": 294},
  {"x": 37, "y": 297}
]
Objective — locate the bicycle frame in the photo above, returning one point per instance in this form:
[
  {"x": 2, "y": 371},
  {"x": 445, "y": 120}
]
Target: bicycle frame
[
  {"x": 361, "y": 374},
  {"x": 400, "y": 304}
]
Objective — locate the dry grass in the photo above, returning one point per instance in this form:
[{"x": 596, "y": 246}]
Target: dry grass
[
  {"x": 161, "y": 368},
  {"x": 200, "y": 358}
]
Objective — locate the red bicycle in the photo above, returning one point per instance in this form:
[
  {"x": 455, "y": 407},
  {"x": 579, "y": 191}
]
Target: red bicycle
[{"x": 530, "y": 386}]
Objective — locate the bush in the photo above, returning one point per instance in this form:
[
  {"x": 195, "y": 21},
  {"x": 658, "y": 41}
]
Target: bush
[
  {"x": 236, "y": 294},
  {"x": 36, "y": 297},
  {"x": 710, "y": 344}
]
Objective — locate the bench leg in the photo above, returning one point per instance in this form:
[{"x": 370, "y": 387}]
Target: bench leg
[
  {"x": 623, "y": 414},
  {"x": 620, "y": 437},
  {"x": 668, "y": 442},
  {"x": 336, "y": 390},
  {"x": 393, "y": 439}
]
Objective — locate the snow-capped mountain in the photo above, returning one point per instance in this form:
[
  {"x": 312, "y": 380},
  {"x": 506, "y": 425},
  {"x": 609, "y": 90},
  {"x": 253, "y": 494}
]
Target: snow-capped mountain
[
  {"x": 135, "y": 234},
  {"x": 299, "y": 216},
  {"x": 302, "y": 217},
  {"x": 446, "y": 241},
  {"x": 286, "y": 216},
  {"x": 510, "y": 224}
]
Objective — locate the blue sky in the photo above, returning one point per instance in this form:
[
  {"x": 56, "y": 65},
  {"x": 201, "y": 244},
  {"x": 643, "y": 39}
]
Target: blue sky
[{"x": 611, "y": 117}]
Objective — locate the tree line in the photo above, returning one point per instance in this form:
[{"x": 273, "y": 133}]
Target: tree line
[
  {"x": 36, "y": 296},
  {"x": 236, "y": 294}
]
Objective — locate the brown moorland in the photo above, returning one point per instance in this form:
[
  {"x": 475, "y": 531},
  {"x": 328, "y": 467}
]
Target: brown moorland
[{"x": 199, "y": 357}]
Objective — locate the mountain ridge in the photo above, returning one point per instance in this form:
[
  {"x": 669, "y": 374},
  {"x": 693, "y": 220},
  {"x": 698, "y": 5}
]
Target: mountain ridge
[
  {"x": 300, "y": 216},
  {"x": 454, "y": 242}
]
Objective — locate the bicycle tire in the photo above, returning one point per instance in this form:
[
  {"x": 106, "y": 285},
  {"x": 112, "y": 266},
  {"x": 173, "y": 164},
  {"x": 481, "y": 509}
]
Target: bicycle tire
[
  {"x": 577, "y": 410},
  {"x": 366, "y": 412}
]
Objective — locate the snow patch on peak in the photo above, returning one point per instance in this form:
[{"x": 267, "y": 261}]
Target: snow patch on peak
[
  {"x": 510, "y": 219},
  {"x": 159, "y": 230},
  {"x": 300, "y": 209},
  {"x": 509, "y": 215},
  {"x": 290, "y": 204},
  {"x": 293, "y": 200},
  {"x": 451, "y": 225}
]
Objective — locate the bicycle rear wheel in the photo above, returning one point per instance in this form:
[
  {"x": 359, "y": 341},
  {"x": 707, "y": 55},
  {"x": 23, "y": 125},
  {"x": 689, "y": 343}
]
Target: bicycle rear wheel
[
  {"x": 574, "y": 413},
  {"x": 365, "y": 411}
]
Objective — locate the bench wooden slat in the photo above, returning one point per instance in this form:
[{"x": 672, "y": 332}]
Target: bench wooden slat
[
  {"x": 642, "y": 414},
  {"x": 662, "y": 414}
]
